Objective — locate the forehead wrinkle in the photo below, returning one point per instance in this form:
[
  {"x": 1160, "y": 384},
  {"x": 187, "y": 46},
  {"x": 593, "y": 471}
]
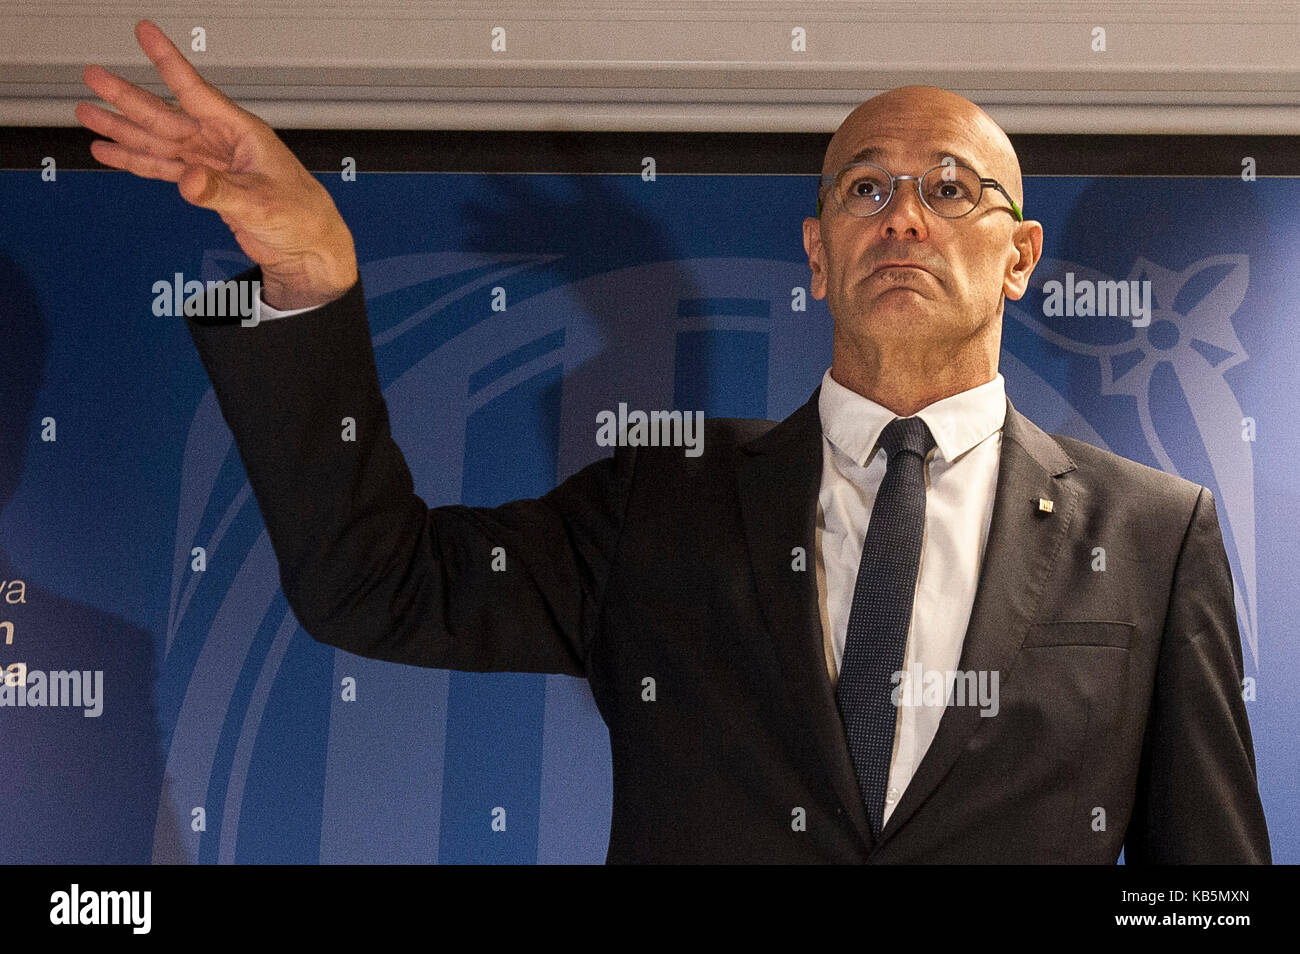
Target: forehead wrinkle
[{"x": 873, "y": 153}]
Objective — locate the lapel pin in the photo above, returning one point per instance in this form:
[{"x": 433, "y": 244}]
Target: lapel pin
[{"x": 1045, "y": 505}]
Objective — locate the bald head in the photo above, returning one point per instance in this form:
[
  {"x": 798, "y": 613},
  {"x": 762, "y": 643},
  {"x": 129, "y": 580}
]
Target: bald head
[{"x": 952, "y": 123}]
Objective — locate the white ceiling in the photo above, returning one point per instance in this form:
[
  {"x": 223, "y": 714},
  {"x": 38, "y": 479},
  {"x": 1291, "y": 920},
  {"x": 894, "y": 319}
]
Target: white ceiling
[{"x": 1176, "y": 66}]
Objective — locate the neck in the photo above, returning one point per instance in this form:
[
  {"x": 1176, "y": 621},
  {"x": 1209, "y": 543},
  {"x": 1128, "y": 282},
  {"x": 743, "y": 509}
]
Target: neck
[{"x": 907, "y": 381}]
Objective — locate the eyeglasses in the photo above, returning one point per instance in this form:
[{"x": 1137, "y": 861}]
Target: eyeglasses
[{"x": 948, "y": 190}]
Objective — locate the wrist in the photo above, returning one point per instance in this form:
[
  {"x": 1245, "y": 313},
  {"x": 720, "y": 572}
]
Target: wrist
[{"x": 287, "y": 294}]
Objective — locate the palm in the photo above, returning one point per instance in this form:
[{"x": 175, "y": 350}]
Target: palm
[{"x": 217, "y": 146}]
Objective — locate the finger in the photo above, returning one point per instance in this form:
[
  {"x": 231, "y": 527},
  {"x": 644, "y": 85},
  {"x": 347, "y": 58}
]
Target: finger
[
  {"x": 196, "y": 95},
  {"x": 150, "y": 112},
  {"x": 140, "y": 163},
  {"x": 124, "y": 131}
]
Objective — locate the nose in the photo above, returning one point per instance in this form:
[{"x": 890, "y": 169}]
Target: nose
[{"x": 904, "y": 213}]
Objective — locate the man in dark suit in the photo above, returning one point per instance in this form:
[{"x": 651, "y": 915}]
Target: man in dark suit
[{"x": 751, "y": 620}]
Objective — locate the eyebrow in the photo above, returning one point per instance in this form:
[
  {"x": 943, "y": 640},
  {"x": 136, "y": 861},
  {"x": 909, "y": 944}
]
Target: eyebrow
[{"x": 873, "y": 153}]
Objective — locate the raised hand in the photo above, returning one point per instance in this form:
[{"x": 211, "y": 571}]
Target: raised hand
[{"x": 224, "y": 158}]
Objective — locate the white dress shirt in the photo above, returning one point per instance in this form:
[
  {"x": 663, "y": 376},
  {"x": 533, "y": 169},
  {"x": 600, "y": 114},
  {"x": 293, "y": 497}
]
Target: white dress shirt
[
  {"x": 268, "y": 313},
  {"x": 961, "y": 477}
]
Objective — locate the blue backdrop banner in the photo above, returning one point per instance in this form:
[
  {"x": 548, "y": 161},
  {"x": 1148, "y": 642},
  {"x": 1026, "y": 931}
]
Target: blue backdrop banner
[{"x": 216, "y": 731}]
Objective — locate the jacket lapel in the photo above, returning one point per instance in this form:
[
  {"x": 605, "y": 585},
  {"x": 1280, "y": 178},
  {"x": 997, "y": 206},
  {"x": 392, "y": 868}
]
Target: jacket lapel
[
  {"x": 779, "y": 481},
  {"x": 1023, "y": 545}
]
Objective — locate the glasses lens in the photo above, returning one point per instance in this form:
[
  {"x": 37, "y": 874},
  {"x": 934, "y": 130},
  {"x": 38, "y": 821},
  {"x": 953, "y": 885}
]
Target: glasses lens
[
  {"x": 951, "y": 191},
  {"x": 862, "y": 189}
]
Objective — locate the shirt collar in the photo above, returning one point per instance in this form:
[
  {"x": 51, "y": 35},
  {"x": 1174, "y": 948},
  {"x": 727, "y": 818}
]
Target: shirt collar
[{"x": 958, "y": 422}]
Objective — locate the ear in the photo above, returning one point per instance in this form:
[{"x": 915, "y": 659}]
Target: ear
[
  {"x": 812, "y": 244},
  {"x": 1027, "y": 242}
]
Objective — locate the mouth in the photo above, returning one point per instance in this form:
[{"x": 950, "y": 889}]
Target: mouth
[{"x": 890, "y": 266}]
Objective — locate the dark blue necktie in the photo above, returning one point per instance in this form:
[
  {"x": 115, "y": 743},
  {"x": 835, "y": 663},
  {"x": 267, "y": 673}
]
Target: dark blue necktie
[{"x": 882, "y": 610}]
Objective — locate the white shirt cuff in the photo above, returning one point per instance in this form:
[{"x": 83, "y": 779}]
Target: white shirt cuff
[{"x": 267, "y": 312}]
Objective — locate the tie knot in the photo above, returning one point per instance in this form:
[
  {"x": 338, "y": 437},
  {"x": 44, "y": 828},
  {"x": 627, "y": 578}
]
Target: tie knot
[{"x": 906, "y": 433}]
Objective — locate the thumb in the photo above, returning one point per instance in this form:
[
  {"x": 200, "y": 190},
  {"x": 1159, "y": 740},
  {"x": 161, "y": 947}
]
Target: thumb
[
  {"x": 212, "y": 189},
  {"x": 200, "y": 186}
]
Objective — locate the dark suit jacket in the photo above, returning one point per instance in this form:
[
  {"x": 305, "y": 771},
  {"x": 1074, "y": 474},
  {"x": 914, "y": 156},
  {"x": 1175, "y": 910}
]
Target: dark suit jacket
[{"x": 1121, "y": 721}]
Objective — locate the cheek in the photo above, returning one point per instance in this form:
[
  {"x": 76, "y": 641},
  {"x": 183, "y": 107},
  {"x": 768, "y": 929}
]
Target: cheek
[
  {"x": 843, "y": 255},
  {"x": 974, "y": 279}
]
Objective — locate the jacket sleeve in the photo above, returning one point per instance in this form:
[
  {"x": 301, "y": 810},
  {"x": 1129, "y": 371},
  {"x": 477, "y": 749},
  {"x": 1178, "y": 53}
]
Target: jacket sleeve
[
  {"x": 364, "y": 564},
  {"x": 1197, "y": 800}
]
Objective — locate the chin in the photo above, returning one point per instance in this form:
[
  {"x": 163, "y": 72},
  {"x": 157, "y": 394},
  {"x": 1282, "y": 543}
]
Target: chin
[
  {"x": 899, "y": 318},
  {"x": 895, "y": 306}
]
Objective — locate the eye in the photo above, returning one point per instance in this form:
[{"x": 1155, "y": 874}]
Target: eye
[
  {"x": 952, "y": 190},
  {"x": 865, "y": 184}
]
